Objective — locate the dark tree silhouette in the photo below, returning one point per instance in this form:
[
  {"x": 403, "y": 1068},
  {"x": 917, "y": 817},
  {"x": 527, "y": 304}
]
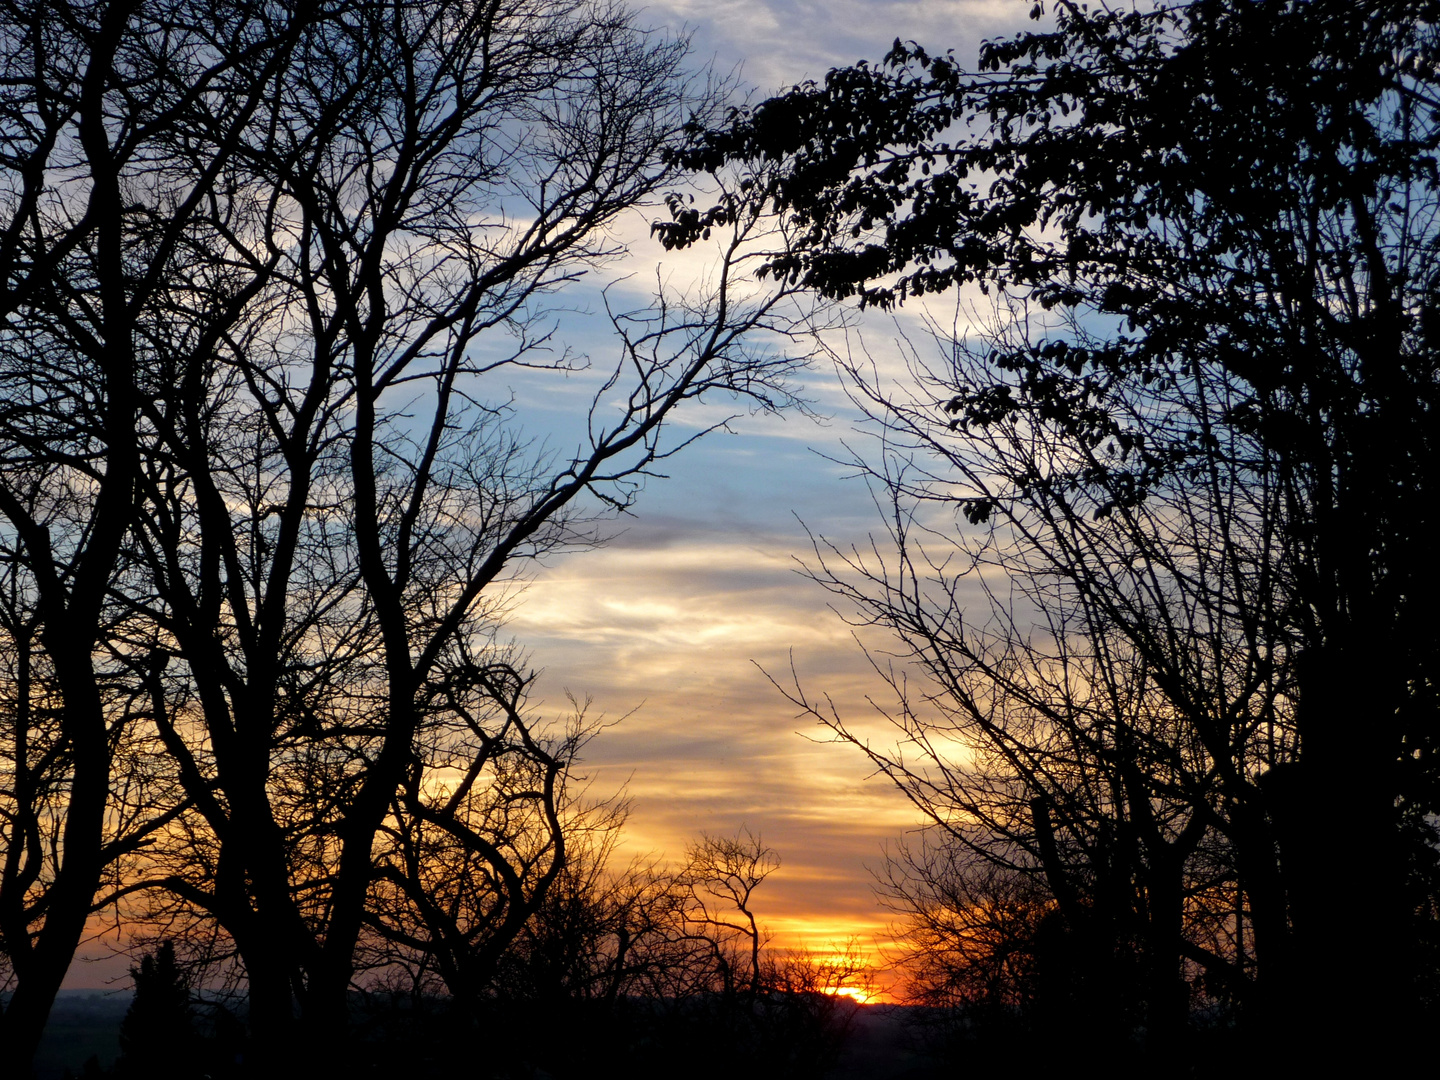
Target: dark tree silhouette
[
  {"x": 464, "y": 868},
  {"x": 157, "y": 1036},
  {"x": 335, "y": 505},
  {"x": 647, "y": 931},
  {"x": 1217, "y": 194},
  {"x": 120, "y": 123},
  {"x": 646, "y": 962},
  {"x": 720, "y": 877},
  {"x": 1103, "y": 691},
  {"x": 268, "y": 272}
]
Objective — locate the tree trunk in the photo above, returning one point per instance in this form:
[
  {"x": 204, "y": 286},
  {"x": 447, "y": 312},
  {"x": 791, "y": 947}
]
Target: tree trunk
[
  {"x": 1167, "y": 1003},
  {"x": 272, "y": 1009},
  {"x": 1340, "y": 847},
  {"x": 70, "y": 896},
  {"x": 1253, "y": 837}
]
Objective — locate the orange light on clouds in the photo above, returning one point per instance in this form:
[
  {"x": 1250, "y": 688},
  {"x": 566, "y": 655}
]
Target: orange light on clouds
[
  {"x": 670, "y": 627},
  {"x": 675, "y": 623}
]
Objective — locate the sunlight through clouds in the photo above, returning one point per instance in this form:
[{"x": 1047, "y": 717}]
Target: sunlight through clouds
[
  {"x": 676, "y": 622},
  {"x": 674, "y": 631}
]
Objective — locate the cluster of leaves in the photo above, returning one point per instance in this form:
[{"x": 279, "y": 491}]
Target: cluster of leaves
[{"x": 1155, "y": 169}]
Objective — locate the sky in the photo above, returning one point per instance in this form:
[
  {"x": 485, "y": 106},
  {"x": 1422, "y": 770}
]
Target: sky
[
  {"x": 679, "y": 622},
  {"x": 673, "y": 629}
]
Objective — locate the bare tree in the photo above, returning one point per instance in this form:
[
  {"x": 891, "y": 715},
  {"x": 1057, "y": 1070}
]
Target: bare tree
[
  {"x": 338, "y": 494},
  {"x": 1106, "y": 679},
  {"x": 967, "y": 927},
  {"x": 720, "y": 877},
  {"x": 465, "y": 866},
  {"x": 121, "y": 127},
  {"x": 1245, "y": 188},
  {"x": 265, "y": 490},
  {"x": 611, "y": 937},
  {"x": 655, "y": 932}
]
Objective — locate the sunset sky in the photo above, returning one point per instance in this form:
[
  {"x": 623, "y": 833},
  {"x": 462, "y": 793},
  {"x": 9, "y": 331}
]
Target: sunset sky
[{"x": 673, "y": 621}]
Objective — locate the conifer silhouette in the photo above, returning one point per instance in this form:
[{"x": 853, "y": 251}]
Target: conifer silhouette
[{"x": 157, "y": 1035}]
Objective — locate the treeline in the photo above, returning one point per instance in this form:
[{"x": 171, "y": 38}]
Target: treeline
[
  {"x": 271, "y": 278},
  {"x": 636, "y": 965},
  {"x": 1160, "y": 488}
]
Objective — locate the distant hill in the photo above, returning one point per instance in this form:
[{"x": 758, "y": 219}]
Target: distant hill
[
  {"x": 86, "y": 1024},
  {"x": 83, "y": 1024}
]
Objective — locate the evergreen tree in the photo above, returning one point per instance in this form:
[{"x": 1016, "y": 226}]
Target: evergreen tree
[{"x": 157, "y": 1037}]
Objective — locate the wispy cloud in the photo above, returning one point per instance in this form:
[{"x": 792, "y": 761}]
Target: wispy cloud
[
  {"x": 676, "y": 623},
  {"x": 782, "y": 42}
]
